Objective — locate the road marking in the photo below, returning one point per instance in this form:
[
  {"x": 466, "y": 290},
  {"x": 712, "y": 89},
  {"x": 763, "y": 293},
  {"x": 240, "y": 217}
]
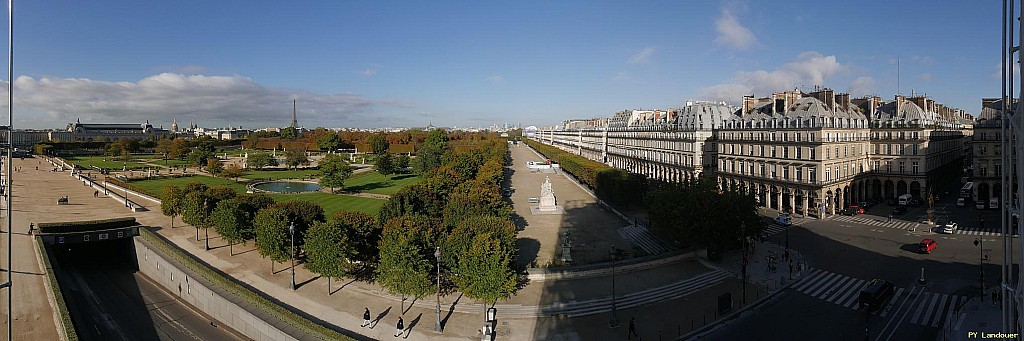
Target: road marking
[
  {"x": 826, "y": 286},
  {"x": 911, "y": 293},
  {"x": 853, "y": 295},
  {"x": 842, "y": 291},
  {"x": 941, "y": 309},
  {"x": 920, "y": 308},
  {"x": 820, "y": 282},
  {"x": 811, "y": 278},
  {"x": 889, "y": 307}
]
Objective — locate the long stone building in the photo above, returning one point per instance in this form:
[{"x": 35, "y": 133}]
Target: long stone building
[
  {"x": 810, "y": 153},
  {"x": 986, "y": 158}
]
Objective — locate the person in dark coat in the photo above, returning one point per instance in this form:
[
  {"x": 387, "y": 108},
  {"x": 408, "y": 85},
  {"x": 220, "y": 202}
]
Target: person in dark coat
[
  {"x": 366, "y": 317},
  {"x": 632, "y": 328},
  {"x": 401, "y": 327}
]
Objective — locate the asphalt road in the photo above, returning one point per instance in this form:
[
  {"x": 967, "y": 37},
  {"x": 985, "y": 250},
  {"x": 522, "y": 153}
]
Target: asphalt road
[
  {"x": 848, "y": 252},
  {"x": 109, "y": 300}
]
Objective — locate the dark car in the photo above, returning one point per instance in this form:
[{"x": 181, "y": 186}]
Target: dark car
[
  {"x": 850, "y": 211},
  {"x": 926, "y": 245},
  {"x": 875, "y": 294},
  {"x": 899, "y": 210}
]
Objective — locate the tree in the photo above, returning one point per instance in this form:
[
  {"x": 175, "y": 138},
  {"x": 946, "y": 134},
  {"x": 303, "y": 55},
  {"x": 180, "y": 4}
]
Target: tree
[
  {"x": 485, "y": 268},
  {"x": 401, "y": 163},
  {"x": 294, "y": 158},
  {"x": 233, "y": 171},
  {"x": 163, "y": 147},
  {"x": 378, "y": 143},
  {"x": 256, "y": 201},
  {"x": 259, "y": 160},
  {"x": 179, "y": 147},
  {"x": 289, "y": 133},
  {"x": 195, "y": 210},
  {"x": 170, "y": 204},
  {"x": 363, "y": 235},
  {"x": 334, "y": 170},
  {"x": 415, "y": 199},
  {"x": 329, "y": 142},
  {"x": 474, "y": 198},
  {"x": 232, "y": 221},
  {"x": 271, "y": 230},
  {"x": 404, "y": 268},
  {"x": 385, "y": 165},
  {"x": 325, "y": 246},
  {"x": 698, "y": 214},
  {"x": 428, "y": 156},
  {"x": 214, "y": 166},
  {"x": 199, "y": 156}
]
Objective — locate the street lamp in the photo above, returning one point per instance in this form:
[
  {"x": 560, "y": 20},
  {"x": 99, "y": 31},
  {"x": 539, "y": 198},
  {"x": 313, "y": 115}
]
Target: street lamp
[
  {"x": 437, "y": 256},
  {"x": 614, "y": 322},
  {"x": 291, "y": 231},
  {"x": 743, "y": 229},
  {"x": 981, "y": 265},
  {"x": 206, "y": 230}
]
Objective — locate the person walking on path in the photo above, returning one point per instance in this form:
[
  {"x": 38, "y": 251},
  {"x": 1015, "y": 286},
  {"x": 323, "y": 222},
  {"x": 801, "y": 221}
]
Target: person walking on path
[
  {"x": 400, "y": 328},
  {"x": 632, "y": 328},
  {"x": 31, "y": 226},
  {"x": 366, "y": 317},
  {"x": 96, "y": 194},
  {"x": 890, "y": 218}
]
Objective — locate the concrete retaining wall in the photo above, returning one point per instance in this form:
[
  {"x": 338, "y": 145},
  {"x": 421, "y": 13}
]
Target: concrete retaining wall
[{"x": 199, "y": 293}]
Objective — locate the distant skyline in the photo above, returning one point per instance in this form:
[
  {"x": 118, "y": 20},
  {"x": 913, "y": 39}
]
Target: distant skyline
[{"x": 397, "y": 64}]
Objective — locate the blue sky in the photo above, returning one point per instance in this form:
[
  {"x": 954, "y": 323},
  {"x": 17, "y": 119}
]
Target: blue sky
[{"x": 404, "y": 64}]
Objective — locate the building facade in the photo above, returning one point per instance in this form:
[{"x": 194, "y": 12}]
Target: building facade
[
  {"x": 78, "y": 131},
  {"x": 986, "y": 152},
  {"x": 809, "y": 153}
]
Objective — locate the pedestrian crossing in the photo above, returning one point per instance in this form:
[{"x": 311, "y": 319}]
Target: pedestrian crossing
[
  {"x": 842, "y": 290},
  {"x": 643, "y": 238},
  {"x": 911, "y": 225}
]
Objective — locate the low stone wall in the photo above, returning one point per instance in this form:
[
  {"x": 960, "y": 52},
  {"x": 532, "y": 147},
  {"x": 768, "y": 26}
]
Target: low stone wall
[
  {"x": 197, "y": 292},
  {"x": 602, "y": 269}
]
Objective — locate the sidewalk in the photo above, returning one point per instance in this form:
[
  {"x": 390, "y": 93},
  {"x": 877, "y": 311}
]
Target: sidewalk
[{"x": 786, "y": 270}]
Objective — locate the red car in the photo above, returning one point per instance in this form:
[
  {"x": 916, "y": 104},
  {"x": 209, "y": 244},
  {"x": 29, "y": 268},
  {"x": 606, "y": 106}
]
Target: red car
[
  {"x": 858, "y": 209},
  {"x": 926, "y": 246}
]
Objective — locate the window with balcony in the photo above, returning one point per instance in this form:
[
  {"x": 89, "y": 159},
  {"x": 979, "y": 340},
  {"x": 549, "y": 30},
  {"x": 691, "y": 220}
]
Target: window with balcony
[
  {"x": 799, "y": 174},
  {"x": 785, "y": 173},
  {"x": 773, "y": 151},
  {"x": 811, "y": 176},
  {"x": 888, "y": 166},
  {"x": 798, "y": 149},
  {"x": 785, "y": 152},
  {"x": 812, "y": 153},
  {"x": 828, "y": 173},
  {"x": 914, "y": 149},
  {"x": 903, "y": 167},
  {"x": 915, "y": 167}
]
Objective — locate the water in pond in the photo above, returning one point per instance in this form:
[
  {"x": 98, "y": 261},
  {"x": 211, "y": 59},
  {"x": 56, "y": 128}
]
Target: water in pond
[{"x": 288, "y": 187}]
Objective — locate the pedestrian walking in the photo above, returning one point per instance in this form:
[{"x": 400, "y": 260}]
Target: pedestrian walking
[
  {"x": 993, "y": 298},
  {"x": 31, "y": 226},
  {"x": 890, "y": 218},
  {"x": 96, "y": 194},
  {"x": 401, "y": 327},
  {"x": 366, "y": 317},
  {"x": 632, "y": 328}
]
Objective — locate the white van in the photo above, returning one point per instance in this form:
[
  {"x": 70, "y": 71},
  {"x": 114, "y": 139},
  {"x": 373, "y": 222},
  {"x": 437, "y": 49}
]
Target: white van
[
  {"x": 993, "y": 203},
  {"x": 905, "y": 199}
]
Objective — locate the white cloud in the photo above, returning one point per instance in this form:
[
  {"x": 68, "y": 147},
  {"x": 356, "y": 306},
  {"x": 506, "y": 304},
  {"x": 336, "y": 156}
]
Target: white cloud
[
  {"x": 209, "y": 100},
  {"x": 809, "y": 68},
  {"x": 927, "y": 76},
  {"x": 368, "y": 72},
  {"x": 862, "y": 86},
  {"x": 997, "y": 74},
  {"x": 732, "y": 33},
  {"x": 642, "y": 55},
  {"x": 496, "y": 79}
]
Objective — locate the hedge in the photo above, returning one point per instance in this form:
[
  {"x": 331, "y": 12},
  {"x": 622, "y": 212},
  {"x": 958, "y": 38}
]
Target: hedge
[
  {"x": 58, "y": 297},
  {"x": 88, "y": 225},
  {"x": 259, "y": 301},
  {"x": 610, "y": 184}
]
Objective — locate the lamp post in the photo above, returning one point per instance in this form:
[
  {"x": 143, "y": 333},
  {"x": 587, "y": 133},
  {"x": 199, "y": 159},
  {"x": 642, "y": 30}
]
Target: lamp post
[
  {"x": 206, "y": 230},
  {"x": 291, "y": 231},
  {"x": 743, "y": 230},
  {"x": 981, "y": 265},
  {"x": 614, "y": 322},
  {"x": 437, "y": 324}
]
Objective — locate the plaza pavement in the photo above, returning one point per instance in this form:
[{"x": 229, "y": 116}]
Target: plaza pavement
[{"x": 670, "y": 314}]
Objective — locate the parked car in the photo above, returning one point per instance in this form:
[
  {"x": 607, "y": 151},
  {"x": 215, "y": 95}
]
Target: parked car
[
  {"x": 850, "y": 211},
  {"x": 783, "y": 219},
  {"x": 949, "y": 227},
  {"x": 899, "y": 210},
  {"x": 507, "y": 192},
  {"x": 926, "y": 246},
  {"x": 866, "y": 205},
  {"x": 860, "y": 210},
  {"x": 875, "y": 294}
]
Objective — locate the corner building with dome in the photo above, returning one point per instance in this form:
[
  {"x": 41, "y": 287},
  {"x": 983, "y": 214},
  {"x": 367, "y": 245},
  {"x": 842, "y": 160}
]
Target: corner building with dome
[{"x": 808, "y": 153}]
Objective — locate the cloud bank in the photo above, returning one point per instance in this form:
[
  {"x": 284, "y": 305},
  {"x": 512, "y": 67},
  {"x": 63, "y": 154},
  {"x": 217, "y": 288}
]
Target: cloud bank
[
  {"x": 809, "y": 68},
  {"x": 209, "y": 100},
  {"x": 732, "y": 34}
]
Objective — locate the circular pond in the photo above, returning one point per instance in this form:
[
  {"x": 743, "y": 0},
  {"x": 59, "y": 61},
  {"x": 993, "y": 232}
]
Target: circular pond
[{"x": 287, "y": 187}]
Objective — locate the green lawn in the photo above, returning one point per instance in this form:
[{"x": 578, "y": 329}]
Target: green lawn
[
  {"x": 336, "y": 202},
  {"x": 330, "y": 202},
  {"x": 373, "y": 182},
  {"x": 104, "y": 162},
  {"x": 280, "y": 174},
  {"x": 155, "y": 187}
]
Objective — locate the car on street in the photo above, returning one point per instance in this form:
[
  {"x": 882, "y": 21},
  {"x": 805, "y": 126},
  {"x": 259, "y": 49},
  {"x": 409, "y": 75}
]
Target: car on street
[
  {"x": 850, "y": 211},
  {"x": 949, "y": 227},
  {"x": 507, "y": 192},
  {"x": 926, "y": 245},
  {"x": 875, "y": 294},
  {"x": 784, "y": 219},
  {"x": 899, "y": 210},
  {"x": 961, "y": 202},
  {"x": 866, "y": 205}
]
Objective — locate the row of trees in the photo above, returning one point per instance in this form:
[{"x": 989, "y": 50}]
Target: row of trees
[
  {"x": 610, "y": 184},
  {"x": 697, "y": 214}
]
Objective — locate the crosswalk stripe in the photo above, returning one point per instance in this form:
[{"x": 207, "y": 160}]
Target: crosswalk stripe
[
  {"x": 817, "y": 283},
  {"x": 840, "y": 289},
  {"x": 920, "y": 307},
  {"x": 895, "y": 296},
  {"x": 851, "y": 295},
  {"x": 827, "y": 286},
  {"x": 942, "y": 309},
  {"x": 931, "y": 310},
  {"x": 810, "y": 278}
]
